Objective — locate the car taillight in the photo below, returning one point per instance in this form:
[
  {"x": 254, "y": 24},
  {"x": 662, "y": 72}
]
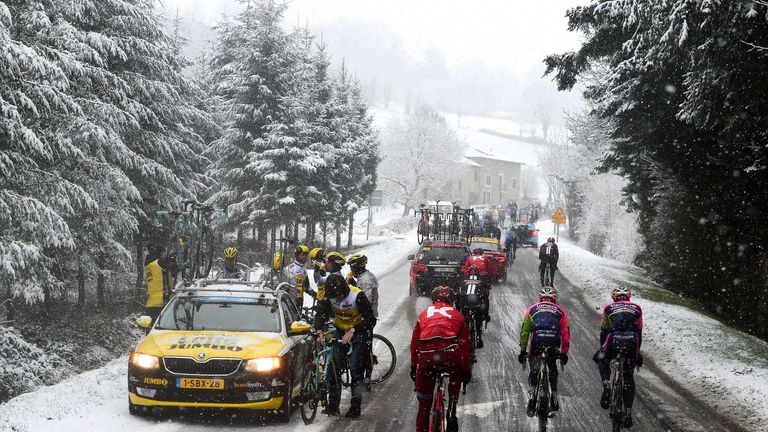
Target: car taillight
[
  {"x": 419, "y": 267},
  {"x": 502, "y": 259}
]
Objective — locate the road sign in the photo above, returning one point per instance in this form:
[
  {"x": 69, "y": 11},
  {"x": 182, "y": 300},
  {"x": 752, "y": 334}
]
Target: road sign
[
  {"x": 374, "y": 199},
  {"x": 559, "y": 217}
]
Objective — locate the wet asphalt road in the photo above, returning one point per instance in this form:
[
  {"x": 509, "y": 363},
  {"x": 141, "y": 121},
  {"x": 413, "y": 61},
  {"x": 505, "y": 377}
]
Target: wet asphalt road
[{"x": 495, "y": 399}]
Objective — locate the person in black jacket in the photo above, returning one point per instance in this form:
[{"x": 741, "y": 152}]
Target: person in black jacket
[
  {"x": 353, "y": 319},
  {"x": 548, "y": 254}
]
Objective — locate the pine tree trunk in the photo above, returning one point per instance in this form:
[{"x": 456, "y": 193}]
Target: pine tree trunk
[
  {"x": 351, "y": 229},
  {"x": 296, "y": 230},
  {"x": 338, "y": 234},
  {"x": 81, "y": 285},
  {"x": 324, "y": 228},
  {"x": 139, "y": 264},
  {"x": 100, "y": 282},
  {"x": 7, "y": 302}
]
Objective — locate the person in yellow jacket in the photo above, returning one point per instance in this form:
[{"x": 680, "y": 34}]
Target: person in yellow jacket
[{"x": 159, "y": 281}]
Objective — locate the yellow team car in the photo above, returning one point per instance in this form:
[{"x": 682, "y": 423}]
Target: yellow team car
[{"x": 219, "y": 344}]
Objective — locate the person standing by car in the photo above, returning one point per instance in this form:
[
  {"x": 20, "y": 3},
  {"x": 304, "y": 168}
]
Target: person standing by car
[
  {"x": 440, "y": 342},
  {"x": 296, "y": 275},
  {"x": 548, "y": 256},
  {"x": 353, "y": 319},
  {"x": 547, "y": 323},
  {"x": 317, "y": 255},
  {"x": 621, "y": 332},
  {"x": 159, "y": 283},
  {"x": 231, "y": 270},
  {"x": 366, "y": 281}
]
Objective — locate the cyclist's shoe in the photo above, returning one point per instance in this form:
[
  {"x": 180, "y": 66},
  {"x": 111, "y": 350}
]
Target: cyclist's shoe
[
  {"x": 605, "y": 399},
  {"x": 453, "y": 425},
  {"x": 479, "y": 342},
  {"x": 554, "y": 404},
  {"x": 330, "y": 411},
  {"x": 367, "y": 382},
  {"x": 354, "y": 412},
  {"x": 530, "y": 410},
  {"x": 628, "y": 418}
]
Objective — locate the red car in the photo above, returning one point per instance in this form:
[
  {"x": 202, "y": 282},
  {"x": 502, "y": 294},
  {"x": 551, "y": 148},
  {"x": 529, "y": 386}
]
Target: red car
[
  {"x": 437, "y": 263},
  {"x": 497, "y": 260}
]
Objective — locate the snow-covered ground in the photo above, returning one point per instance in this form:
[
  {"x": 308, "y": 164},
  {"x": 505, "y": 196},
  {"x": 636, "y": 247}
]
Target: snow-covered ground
[
  {"x": 723, "y": 366},
  {"x": 97, "y": 400}
]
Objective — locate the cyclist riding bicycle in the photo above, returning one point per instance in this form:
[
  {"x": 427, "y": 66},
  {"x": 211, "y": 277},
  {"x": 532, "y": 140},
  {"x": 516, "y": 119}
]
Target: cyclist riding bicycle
[
  {"x": 353, "y": 319},
  {"x": 477, "y": 265},
  {"x": 296, "y": 275},
  {"x": 548, "y": 254},
  {"x": 511, "y": 240},
  {"x": 621, "y": 332},
  {"x": 547, "y": 322},
  {"x": 478, "y": 300},
  {"x": 231, "y": 270},
  {"x": 317, "y": 255},
  {"x": 440, "y": 343}
]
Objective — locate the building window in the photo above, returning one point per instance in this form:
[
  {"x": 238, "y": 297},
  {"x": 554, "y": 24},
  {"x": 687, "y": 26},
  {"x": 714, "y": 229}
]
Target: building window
[
  {"x": 502, "y": 183},
  {"x": 514, "y": 183},
  {"x": 459, "y": 186},
  {"x": 476, "y": 175},
  {"x": 487, "y": 197},
  {"x": 488, "y": 180}
]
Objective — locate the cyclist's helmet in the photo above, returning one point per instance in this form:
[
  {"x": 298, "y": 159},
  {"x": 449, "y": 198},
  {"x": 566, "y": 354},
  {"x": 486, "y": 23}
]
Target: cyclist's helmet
[
  {"x": 621, "y": 293},
  {"x": 478, "y": 251},
  {"x": 317, "y": 255},
  {"x": 357, "y": 261},
  {"x": 336, "y": 259},
  {"x": 335, "y": 285},
  {"x": 230, "y": 252},
  {"x": 548, "y": 293},
  {"x": 300, "y": 249},
  {"x": 443, "y": 293}
]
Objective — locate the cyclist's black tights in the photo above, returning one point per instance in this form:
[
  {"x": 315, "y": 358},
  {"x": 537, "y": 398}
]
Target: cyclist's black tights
[
  {"x": 629, "y": 380},
  {"x": 534, "y": 362}
]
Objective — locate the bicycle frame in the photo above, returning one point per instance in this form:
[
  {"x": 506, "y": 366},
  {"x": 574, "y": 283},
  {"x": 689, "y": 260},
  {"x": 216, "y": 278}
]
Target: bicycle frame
[{"x": 437, "y": 417}]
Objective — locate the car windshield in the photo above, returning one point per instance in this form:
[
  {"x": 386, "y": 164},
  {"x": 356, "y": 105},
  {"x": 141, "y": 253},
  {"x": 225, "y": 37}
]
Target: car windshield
[
  {"x": 485, "y": 246},
  {"x": 448, "y": 255},
  {"x": 237, "y": 314}
]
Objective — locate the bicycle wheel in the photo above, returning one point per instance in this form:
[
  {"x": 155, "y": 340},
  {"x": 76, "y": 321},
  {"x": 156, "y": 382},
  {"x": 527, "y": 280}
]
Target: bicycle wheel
[
  {"x": 308, "y": 397},
  {"x": 542, "y": 405},
  {"x": 437, "y": 420},
  {"x": 472, "y": 338},
  {"x": 204, "y": 253},
  {"x": 383, "y": 359}
]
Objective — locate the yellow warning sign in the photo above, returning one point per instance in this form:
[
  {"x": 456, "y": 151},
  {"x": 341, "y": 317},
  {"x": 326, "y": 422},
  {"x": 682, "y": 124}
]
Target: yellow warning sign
[{"x": 559, "y": 217}]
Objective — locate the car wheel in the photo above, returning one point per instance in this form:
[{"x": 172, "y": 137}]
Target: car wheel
[{"x": 284, "y": 413}]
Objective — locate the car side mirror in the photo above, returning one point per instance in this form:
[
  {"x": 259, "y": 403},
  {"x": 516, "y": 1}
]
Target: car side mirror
[
  {"x": 144, "y": 321},
  {"x": 299, "y": 328},
  {"x": 411, "y": 257}
]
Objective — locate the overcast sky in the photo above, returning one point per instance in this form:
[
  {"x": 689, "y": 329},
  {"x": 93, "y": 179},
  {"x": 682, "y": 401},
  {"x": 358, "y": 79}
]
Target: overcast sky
[{"x": 513, "y": 33}]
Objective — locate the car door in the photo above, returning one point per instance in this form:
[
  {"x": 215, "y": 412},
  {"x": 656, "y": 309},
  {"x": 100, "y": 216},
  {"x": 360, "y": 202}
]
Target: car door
[{"x": 298, "y": 351}]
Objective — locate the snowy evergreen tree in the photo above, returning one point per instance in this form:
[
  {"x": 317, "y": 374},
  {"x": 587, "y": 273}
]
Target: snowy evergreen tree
[{"x": 686, "y": 96}]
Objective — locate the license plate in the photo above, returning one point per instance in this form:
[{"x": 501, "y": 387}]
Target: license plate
[
  {"x": 200, "y": 383},
  {"x": 444, "y": 270}
]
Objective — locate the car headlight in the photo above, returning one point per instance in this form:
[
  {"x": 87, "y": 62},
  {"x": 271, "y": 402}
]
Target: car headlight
[
  {"x": 266, "y": 364},
  {"x": 145, "y": 361}
]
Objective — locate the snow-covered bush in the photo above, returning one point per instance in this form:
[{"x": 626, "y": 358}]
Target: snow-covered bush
[{"x": 24, "y": 366}]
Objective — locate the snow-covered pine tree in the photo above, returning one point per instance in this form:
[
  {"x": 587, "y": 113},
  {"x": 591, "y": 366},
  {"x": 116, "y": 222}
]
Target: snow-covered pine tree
[
  {"x": 686, "y": 96},
  {"x": 33, "y": 201}
]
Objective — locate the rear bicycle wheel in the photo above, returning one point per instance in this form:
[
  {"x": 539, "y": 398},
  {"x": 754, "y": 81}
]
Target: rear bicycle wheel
[
  {"x": 542, "y": 405},
  {"x": 383, "y": 359},
  {"x": 472, "y": 338},
  {"x": 437, "y": 420}
]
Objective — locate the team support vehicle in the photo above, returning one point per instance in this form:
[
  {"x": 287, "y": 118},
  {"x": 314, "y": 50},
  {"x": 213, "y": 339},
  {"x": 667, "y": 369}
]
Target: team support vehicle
[
  {"x": 221, "y": 344},
  {"x": 437, "y": 263},
  {"x": 496, "y": 259}
]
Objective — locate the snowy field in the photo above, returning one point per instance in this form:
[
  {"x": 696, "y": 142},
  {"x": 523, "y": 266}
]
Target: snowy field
[{"x": 725, "y": 367}]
